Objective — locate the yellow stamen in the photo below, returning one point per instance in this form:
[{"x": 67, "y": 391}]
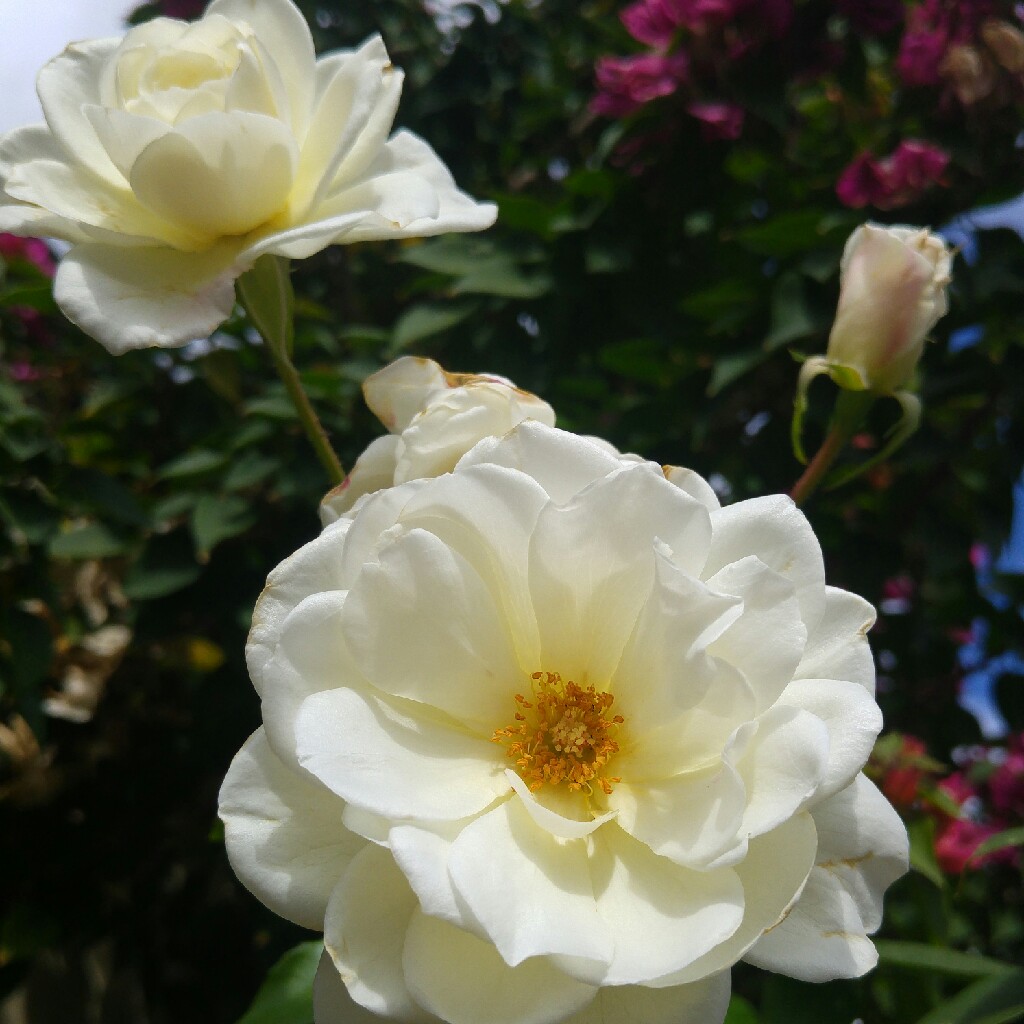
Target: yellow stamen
[{"x": 563, "y": 735}]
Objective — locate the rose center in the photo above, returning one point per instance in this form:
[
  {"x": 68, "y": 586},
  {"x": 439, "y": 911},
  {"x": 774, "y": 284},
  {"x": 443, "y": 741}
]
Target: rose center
[{"x": 565, "y": 733}]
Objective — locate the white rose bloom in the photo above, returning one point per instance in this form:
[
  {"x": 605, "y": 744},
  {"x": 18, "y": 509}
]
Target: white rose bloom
[
  {"x": 892, "y": 293},
  {"x": 554, "y": 737},
  {"x": 172, "y": 159},
  {"x": 435, "y": 417}
]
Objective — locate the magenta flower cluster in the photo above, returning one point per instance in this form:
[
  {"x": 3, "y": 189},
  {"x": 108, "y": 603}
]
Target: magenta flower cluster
[
  {"x": 989, "y": 792},
  {"x": 689, "y": 42},
  {"x": 895, "y": 180}
]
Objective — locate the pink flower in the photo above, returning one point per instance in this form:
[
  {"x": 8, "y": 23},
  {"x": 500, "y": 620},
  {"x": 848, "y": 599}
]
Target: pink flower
[
  {"x": 957, "y": 842},
  {"x": 958, "y": 788},
  {"x": 626, "y": 83},
  {"x": 31, "y": 250},
  {"x": 861, "y": 182},
  {"x": 719, "y": 120},
  {"x": 1006, "y": 784},
  {"x": 933, "y": 28},
  {"x": 654, "y": 22},
  {"x": 892, "y": 181}
]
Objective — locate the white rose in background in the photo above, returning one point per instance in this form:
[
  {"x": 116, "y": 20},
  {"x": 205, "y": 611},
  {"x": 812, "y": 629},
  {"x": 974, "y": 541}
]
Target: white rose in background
[
  {"x": 172, "y": 159},
  {"x": 553, "y": 738},
  {"x": 892, "y": 292},
  {"x": 434, "y": 417}
]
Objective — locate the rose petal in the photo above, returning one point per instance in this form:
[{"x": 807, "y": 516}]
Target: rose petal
[
  {"x": 282, "y": 30},
  {"x": 770, "y": 610},
  {"x": 853, "y": 721},
  {"x": 140, "y": 298},
  {"x": 368, "y": 751},
  {"x": 67, "y": 85},
  {"x": 837, "y": 648},
  {"x": 365, "y": 931},
  {"x": 863, "y": 849},
  {"x": 421, "y": 624},
  {"x": 551, "y": 909},
  {"x": 331, "y": 1002},
  {"x": 777, "y": 532},
  {"x": 783, "y": 759},
  {"x": 283, "y": 832},
  {"x": 463, "y": 980},
  {"x": 773, "y": 874}
]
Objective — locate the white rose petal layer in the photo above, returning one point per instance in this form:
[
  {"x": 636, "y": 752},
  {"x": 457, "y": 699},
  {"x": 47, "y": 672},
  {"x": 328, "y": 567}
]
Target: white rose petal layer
[
  {"x": 602, "y": 737},
  {"x": 172, "y": 159}
]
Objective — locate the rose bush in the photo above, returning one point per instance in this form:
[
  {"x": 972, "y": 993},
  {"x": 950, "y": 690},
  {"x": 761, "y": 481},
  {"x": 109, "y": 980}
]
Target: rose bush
[
  {"x": 556, "y": 737},
  {"x": 172, "y": 159},
  {"x": 435, "y": 417}
]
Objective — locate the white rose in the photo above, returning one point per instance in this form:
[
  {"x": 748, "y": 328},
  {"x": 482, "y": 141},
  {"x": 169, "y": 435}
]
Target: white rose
[
  {"x": 550, "y": 738},
  {"x": 892, "y": 293},
  {"x": 435, "y": 417},
  {"x": 175, "y": 157}
]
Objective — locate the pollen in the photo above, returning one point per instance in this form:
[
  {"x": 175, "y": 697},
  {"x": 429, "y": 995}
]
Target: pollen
[{"x": 563, "y": 734}]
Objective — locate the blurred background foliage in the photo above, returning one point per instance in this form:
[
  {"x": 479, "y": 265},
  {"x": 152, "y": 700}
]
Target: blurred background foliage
[{"x": 651, "y": 276}]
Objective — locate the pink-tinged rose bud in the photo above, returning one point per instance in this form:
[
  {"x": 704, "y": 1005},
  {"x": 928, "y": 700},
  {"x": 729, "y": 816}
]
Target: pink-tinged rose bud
[
  {"x": 627, "y": 83},
  {"x": 719, "y": 120},
  {"x": 1006, "y": 42},
  {"x": 892, "y": 292}
]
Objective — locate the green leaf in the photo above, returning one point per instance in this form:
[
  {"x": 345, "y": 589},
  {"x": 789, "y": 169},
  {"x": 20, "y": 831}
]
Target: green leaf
[
  {"x": 922, "y": 851},
  {"x": 248, "y": 469},
  {"x": 729, "y": 369},
  {"x": 1000, "y": 841},
  {"x": 922, "y": 957},
  {"x": 286, "y": 997},
  {"x": 451, "y": 254},
  {"x": 997, "y": 1000},
  {"x": 217, "y": 518},
  {"x": 792, "y": 232},
  {"x": 93, "y": 540},
  {"x": 203, "y": 460},
  {"x": 167, "y": 565},
  {"x": 426, "y": 320},
  {"x": 504, "y": 278},
  {"x": 266, "y": 294},
  {"x": 791, "y": 318},
  {"x": 740, "y": 1012}
]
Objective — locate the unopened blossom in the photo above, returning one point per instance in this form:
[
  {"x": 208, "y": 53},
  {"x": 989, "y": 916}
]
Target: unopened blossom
[
  {"x": 554, "y": 737},
  {"x": 892, "y": 293},
  {"x": 172, "y": 159},
  {"x": 433, "y": 418}
]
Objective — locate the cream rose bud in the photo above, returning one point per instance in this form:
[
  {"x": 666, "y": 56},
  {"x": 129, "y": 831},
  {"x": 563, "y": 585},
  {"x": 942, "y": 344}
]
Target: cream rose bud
[
  {"x": 434, "y": 418},
  {"x": 554, "y": 737},
  {"x": 892, "y": 293},
  {"x": 172, "y": 159}
]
